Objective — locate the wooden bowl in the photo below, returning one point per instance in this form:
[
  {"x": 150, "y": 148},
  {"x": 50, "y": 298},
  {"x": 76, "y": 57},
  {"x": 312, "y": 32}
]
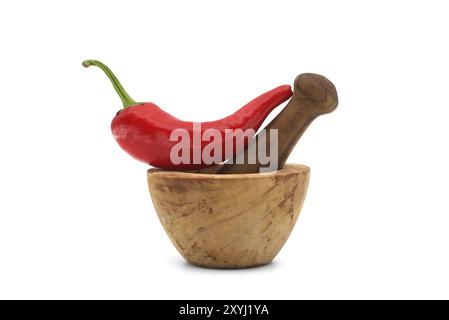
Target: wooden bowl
[{"x": 229, "y": 220}]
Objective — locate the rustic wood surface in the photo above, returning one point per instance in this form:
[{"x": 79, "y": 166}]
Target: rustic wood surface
[{"x": 229, "y": 221}]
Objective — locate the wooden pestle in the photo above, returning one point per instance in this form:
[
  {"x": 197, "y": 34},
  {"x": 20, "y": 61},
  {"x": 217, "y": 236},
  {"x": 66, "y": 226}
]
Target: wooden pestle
[{"x": 313, "y": 95}]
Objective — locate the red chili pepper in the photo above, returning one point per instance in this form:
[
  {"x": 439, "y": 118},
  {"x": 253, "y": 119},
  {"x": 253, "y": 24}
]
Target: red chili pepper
[{"x": 143, "y": 129}]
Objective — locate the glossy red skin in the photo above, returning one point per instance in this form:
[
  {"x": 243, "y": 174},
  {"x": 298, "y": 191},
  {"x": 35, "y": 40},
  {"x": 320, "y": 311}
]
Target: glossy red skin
[{"x": 143, "y": 130}]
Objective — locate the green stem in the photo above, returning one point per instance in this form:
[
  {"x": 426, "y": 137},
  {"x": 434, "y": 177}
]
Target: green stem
[{"x": 126, "y": 99}]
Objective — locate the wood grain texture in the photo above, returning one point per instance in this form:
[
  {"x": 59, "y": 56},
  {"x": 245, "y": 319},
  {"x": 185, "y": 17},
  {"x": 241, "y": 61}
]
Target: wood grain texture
[{"x": 229, "y": 221}]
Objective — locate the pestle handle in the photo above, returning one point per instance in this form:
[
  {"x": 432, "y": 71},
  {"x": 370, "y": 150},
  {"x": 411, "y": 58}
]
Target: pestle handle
[{"x": 313, "y": 95}]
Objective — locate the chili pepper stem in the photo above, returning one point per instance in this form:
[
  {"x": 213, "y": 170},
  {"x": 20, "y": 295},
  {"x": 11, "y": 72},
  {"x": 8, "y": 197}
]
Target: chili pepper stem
[{"x": 126, "y": 99}]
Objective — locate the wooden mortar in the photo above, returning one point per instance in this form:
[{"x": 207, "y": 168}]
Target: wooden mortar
[{"x": 229, "y": 220}]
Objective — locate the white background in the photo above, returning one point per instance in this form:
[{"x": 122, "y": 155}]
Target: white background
[{"x": 76, "y": 220}]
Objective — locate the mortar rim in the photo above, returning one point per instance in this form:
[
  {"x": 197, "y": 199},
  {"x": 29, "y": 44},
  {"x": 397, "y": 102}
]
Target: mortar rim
[{"x": 290, "y": 168}]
